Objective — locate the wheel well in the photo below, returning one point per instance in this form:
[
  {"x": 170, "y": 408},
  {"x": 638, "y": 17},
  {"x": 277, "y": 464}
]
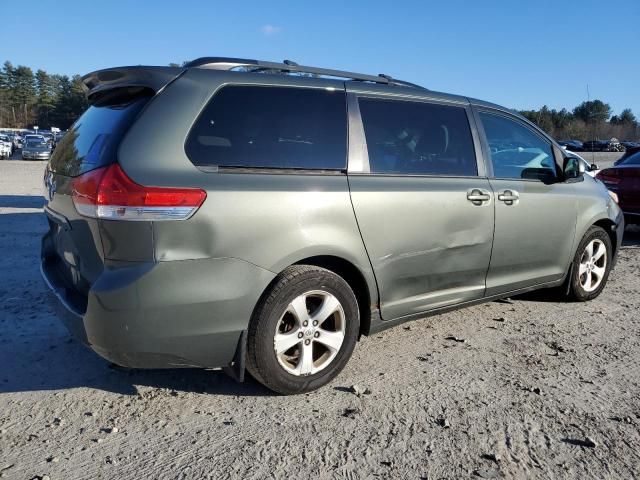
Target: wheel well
[
  {"x": 608, "y": 225},
  {"x": 352, "y": 275}
]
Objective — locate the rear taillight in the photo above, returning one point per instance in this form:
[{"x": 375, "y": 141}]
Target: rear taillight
[
  {"x": 109, "y": 194},
  {"x": 609, "y": 178}
]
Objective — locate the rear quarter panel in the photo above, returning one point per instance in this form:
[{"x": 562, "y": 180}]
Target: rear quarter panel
[{"x": 270, "y": 220}]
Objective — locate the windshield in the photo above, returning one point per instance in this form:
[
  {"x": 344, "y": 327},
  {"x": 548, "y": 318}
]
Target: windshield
[{"x": 35, "y": 144}]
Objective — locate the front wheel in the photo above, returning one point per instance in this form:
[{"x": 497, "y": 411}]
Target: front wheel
[
  {"x": 304, "y": 330},
  {"x": 591, "y": 265}
]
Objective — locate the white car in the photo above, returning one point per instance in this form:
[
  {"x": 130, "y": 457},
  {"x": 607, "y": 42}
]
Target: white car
[{"x": 6, "y": 146}]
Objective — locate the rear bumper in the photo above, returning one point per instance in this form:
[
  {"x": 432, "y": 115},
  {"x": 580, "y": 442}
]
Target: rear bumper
[{"x": 163, "y": 315}]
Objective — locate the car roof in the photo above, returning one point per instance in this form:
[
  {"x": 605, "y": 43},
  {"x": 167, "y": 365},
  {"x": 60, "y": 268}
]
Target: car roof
[{"x": 285, "y": 73}]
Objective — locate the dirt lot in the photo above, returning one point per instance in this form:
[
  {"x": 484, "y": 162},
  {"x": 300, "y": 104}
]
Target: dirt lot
[{"x": 537, "y": 390}]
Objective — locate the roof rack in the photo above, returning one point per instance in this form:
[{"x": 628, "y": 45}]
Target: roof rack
[{"x": 287, "y": 66}]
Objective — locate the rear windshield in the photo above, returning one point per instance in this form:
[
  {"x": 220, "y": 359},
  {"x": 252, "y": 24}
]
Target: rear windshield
[
  {"x": 634, "y": 159},
  {"x": 93, "y": 140}
]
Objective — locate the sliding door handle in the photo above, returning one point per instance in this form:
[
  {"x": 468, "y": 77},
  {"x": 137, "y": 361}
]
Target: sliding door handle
[{"x": 508, "y": 197}]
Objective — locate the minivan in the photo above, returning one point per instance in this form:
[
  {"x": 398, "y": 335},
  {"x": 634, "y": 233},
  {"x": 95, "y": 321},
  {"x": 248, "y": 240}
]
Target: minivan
[{"x": 256, "y": 216}]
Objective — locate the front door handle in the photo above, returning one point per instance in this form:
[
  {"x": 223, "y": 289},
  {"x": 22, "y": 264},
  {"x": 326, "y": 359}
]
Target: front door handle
[
  {"x": 508, "y": 197},
  {"x": 478, "y": 196}
]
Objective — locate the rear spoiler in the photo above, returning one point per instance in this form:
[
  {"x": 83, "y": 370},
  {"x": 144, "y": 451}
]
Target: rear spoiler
[{"x": 154, "y": 78}]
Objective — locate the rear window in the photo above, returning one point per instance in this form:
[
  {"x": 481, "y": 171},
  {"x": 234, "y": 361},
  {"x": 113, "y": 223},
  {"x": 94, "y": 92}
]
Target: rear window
[
  {"x": 271, "y": 127},
  {"x": 93, "y": 140},
  {"x": 634, "y": 159}
]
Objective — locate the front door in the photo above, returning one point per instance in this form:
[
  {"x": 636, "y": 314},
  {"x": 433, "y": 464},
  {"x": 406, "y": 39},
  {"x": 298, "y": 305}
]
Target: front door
[
  {"x": 535, "y": 213},
  {"x": 424, "y": 210}
]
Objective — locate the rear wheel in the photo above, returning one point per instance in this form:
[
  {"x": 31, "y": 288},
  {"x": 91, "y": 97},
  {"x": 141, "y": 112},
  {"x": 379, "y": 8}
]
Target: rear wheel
[
  {"x": 304, "y": 330},
  {"x": 591, "y": 265}
]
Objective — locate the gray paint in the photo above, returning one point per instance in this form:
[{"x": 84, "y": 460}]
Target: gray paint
[{"x": 181, "y": 293}]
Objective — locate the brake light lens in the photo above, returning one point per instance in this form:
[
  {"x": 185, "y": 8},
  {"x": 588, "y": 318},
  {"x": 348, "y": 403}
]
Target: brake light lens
[
  {"x": 109, "y": 194},
  {"x": 609, "y": 178}
]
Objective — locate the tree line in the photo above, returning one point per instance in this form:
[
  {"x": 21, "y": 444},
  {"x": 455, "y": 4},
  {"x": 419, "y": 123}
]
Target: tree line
[
  {"x": 40, "y": 98},
  {"x": 51, "y": 100},
  {"x": 590, "y": 120}
]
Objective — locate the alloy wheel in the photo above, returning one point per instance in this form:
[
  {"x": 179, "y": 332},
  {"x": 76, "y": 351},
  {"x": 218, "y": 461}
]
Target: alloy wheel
[
  {"x": 593, "y": 265},
  {"x": 310, "y": 333}
]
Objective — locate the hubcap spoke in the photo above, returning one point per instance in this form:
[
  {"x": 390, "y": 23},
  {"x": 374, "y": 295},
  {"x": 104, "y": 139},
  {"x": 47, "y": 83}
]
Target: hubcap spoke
[
  {"x": 589, "y": 250},
  {"x": 587, "y": 281},
  {"x": 299, "y": 308},
  {"x": 582, "y": 269},
  {"x": 328, "y": 307},
  {"x": 305, "y": 364},
  {"x": 284, "y": 341},
  {"x": 332, "y": 340},
  {"x": 598, "y": 272},
  {"x": 599, "y": 252}
]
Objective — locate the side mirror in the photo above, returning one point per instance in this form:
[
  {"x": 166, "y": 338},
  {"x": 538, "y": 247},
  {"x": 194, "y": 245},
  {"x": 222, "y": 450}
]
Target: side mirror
[
  {"x": 593, "y": 167},
  {"x": 573, "y": 168}
]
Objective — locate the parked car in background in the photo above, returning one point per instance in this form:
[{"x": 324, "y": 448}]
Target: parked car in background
[
  {"x": 628, "y": 152},
  {"x": 603, "y": 146},
  {"x": 594, "y": 146},
  {"x": 624, "y": 180},
  {"x": 16, "y": 138},
  {"x": 33, "y": 136},
  {"x": 7, "y": 146},
  {"x": 12, "y": 136},
  {"x": 49, "y": 138},
  {"x": 36, "y": 149},
  {"x": 628, "y": 144},
  {"x": 572, "y": 145},
  {"x": 614, "y": 145},
  {"x": 201, "y": 217}
]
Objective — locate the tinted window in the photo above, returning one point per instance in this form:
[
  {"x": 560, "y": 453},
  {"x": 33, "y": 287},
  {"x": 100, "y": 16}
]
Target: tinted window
[
  {"x": 516, "y": 150},
  {"x": 274, "y": 127},
  {"x": 93, "y": 140},
  {"x": 417, "y": 138}
]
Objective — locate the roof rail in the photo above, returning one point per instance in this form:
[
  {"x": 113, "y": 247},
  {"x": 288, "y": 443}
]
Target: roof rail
[{"x": 287, "y": 66}]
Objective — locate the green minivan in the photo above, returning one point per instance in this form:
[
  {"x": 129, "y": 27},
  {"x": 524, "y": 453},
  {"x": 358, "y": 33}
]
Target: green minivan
[{"x": 258, "y": 216}]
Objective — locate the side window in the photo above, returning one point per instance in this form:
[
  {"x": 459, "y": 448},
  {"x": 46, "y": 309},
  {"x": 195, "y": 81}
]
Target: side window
[
  {"x": 516, "y": 150},
  {"x": 416, "y": 138},
  {"x": 273, "y": 127}
]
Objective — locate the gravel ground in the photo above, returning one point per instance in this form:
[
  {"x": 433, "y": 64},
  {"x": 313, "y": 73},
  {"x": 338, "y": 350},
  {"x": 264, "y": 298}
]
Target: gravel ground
[{"x": 537, "y": 389}]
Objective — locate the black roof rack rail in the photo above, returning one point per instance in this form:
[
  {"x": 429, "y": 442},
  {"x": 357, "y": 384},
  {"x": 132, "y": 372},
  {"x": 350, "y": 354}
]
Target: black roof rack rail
[{"x": 288, "y": 66}]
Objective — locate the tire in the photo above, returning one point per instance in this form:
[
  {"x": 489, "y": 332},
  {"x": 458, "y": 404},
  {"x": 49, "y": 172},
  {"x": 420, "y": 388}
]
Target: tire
[
  {"x": 302, "y": 293},
  {"x": 589, "y": 276}
]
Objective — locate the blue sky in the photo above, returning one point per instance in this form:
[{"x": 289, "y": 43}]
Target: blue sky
[{"x": 521, "y": 54}]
